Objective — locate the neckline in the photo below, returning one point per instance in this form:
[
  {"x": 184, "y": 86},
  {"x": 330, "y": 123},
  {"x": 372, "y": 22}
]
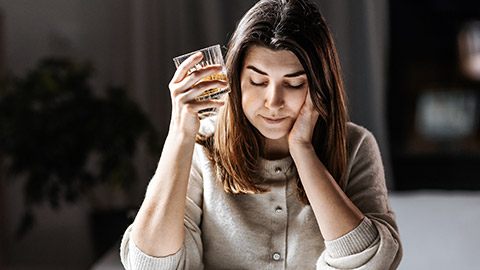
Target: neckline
[{"x": 277, "y": 169}]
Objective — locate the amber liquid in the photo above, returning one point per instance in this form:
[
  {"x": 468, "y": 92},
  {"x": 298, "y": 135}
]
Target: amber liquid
[{"x": 214, "y": 92}]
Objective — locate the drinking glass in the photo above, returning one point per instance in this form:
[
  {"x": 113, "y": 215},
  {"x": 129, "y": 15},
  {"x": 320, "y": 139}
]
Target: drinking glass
[{"x": 211, "y": 56}]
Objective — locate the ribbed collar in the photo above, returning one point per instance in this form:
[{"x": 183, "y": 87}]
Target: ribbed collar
[{"x": 276, "y": 169}]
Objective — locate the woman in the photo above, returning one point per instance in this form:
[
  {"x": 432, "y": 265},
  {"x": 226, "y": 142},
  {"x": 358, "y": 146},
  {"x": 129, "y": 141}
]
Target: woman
[{"x": 278, "y": 179}]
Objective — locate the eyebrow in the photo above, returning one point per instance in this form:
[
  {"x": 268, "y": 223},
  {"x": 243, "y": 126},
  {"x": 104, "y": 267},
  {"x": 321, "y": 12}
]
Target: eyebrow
[{"x": 295, "y": 74}]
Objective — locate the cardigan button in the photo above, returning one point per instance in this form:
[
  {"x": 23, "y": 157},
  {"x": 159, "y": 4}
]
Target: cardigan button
[
  {"x": 276, "y": 256},
  {"x": 278, "y": 210},
  {"x": 278, "y": 170}
]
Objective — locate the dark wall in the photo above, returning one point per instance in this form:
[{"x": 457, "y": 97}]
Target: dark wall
[{"x": 425, "y": 67}]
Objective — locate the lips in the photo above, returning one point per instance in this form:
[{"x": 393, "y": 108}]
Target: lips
[{"x": 274, "y": 120}]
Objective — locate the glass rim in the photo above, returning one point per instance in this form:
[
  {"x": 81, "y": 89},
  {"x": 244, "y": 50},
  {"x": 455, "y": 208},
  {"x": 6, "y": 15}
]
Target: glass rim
[{"x": 212, "y": 47}]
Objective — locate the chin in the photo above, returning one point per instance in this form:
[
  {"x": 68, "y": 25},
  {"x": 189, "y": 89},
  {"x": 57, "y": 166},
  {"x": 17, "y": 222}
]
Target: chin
[{"x": 273, "y": 135}]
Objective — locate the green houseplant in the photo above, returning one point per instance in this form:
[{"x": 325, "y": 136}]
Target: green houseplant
[{"x": 63, "y": 139}]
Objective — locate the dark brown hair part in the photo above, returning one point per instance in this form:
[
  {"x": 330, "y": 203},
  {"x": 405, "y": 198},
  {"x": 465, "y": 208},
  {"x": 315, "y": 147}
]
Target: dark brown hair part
[{"x": 297, "y": 26}]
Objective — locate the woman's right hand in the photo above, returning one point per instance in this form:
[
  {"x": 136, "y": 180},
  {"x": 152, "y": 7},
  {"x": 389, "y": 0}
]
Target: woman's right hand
[{"x": 184, "y": 88}]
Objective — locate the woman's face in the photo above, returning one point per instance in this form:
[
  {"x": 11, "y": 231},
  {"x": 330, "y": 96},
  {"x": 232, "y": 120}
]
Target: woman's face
[{"x": 274, "y": 87}]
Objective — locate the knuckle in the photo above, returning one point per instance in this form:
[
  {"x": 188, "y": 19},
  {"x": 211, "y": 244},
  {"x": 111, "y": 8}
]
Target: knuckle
[
  {"x": 174, "y": 89},
  {"x": 177, "y": 92},
  {"x": 181, "y": 99}
]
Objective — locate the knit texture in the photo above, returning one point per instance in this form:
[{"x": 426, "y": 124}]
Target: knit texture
[{"x": 275, "y": 230}]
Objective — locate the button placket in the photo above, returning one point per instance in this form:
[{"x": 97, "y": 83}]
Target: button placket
[{"x": 279, "y": 214}]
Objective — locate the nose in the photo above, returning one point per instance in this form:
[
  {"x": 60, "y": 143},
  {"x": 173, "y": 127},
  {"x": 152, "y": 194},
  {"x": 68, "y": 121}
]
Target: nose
[{"x": 274, "y": 98}]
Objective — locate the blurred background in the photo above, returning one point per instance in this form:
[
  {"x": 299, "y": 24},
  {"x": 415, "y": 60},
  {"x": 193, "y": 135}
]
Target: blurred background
[{"x": 85, "y": 107}]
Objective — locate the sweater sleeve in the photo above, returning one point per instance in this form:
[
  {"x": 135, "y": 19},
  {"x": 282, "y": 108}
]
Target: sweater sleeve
[
  {"x": 375, "y": 242},
  {"x": 190, "y": 254}
]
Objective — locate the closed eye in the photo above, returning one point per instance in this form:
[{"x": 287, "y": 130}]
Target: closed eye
[
  {"x": 296, "y": 86},
  {"x": 257, "y": 84}
]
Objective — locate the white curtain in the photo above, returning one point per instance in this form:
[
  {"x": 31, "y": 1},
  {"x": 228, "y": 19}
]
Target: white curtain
[{"x": 163, "y": 29}]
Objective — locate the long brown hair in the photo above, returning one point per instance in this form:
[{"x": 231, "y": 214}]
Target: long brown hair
[{"x": 236, "y": 145}]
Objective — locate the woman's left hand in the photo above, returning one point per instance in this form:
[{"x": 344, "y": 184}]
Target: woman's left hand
[{"x": 302, "y": 130}]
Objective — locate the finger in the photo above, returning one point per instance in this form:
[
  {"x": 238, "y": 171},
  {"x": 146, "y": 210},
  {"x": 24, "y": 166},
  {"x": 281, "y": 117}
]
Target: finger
[
  {"x": 309, "y": 100},
  {"x": 206, "y": 104},
  {"x": 310, "y": 104},
  {"x": 185, "y": 66},
  {"x": 201, "y": 87},
  {"x": 192, "y": 79}
]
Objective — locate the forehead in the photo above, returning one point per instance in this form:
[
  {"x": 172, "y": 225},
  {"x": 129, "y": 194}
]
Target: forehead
[{"x": 272, "y": 60}]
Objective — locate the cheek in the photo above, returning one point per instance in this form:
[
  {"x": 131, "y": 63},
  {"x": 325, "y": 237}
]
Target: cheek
[
  {"x": 296, "y": 100},
  {"x": 249, "y": 99},
  {"x": 246, "y": 102}
]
